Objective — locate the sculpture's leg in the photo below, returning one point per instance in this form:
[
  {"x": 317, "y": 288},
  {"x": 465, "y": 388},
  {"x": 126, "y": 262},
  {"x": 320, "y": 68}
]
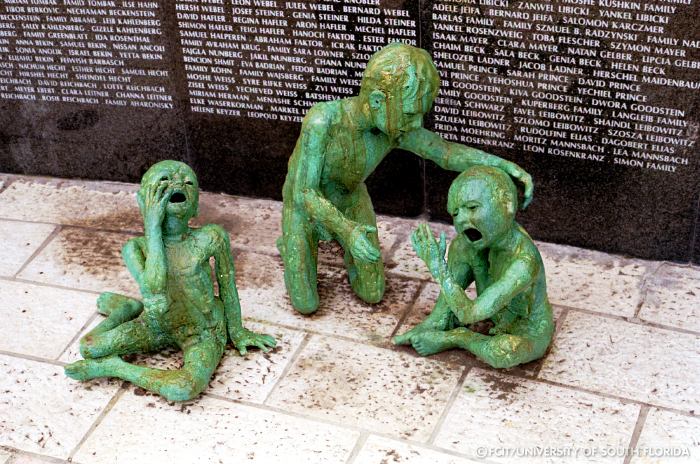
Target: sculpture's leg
[
  {"x": 128, "y": 337},
  {"x": 200, "y": 362},
  {"x": 499, "y": 351},
  {"x": 441, "y": 318},
  {"x": 367, "y": 279},
  {"x": 118, "y": 309},
  {"x": 299, "y": 249}
]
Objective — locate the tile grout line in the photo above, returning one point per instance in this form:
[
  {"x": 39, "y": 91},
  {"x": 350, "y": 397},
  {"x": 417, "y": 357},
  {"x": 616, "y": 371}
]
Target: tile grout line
[
  {"x": 29, "y": 357},
  {"x": 629, "y": 319},
  {"x": 359, "y": 444},
  {"x": 639, "y": 425},
  {"x": 120, "y": 392},
  {"x": 75, "y": 226},
  {"x": 48, "y": 285},
  {"x": 16, "y": 453},
  {"x": 77, "y": 335},
  {"x": 644, "y": 290},
  {"x": 40, "y": 248},
  {"x": 448, "y": 406},
  {"x": 7, "y": 183},
  {"x": 407, "y": 312},
  {"x": 322, "y": 420},
  {"x": 288, "y": 367},
  {"x": 557, "y": 328}
]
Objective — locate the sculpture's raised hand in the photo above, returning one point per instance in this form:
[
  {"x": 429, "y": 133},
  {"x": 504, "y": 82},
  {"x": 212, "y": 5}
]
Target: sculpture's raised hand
[
  {"x": 155, "y": 204},
  {"x": 361, "y": 247},
  {"x": 518, "y": 173},
  {"x": 243, "y": 338},
  {"x": 430, "y": 251}
]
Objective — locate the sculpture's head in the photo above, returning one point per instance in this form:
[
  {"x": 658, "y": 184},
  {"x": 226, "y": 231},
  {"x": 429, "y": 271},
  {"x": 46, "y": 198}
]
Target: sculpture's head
[
  {"x": 483, "y": 201},
  {"x": 399, "y": 85},
  {"x": 182, "y": 186}
]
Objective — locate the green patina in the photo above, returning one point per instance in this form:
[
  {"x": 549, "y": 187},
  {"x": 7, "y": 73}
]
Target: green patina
[
  {"x": 341, "y": 144},
  {"x": 180, "y": 308},
  {"x": 496, "y": 253}
]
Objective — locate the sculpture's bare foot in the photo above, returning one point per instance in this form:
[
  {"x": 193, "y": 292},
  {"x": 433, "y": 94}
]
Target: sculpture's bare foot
[
  {"x": 431, "y": 342},
  {"x": 88, "y": 369},
  {"x": 405, "y": 338}
]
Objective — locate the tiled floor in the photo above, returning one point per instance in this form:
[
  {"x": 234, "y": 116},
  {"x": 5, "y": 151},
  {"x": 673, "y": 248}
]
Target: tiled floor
[{"x": 623, "y": 372}]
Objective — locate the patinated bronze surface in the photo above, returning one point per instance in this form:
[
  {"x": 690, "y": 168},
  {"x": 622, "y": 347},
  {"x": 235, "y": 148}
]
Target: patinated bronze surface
[
  {"x": 341, "y": 144},
  {"x": 496, "y": 253},
  {"x": 180, "y": 307}
]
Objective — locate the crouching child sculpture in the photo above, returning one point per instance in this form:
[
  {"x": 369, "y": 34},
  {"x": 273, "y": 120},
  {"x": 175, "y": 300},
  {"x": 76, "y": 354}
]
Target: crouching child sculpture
[
  {"x": 179, "y": 308},
  {"x": 493, "y": 251}
]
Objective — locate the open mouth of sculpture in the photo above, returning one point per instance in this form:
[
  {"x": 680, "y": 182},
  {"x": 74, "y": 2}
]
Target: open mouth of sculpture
[
  {"x": 178, "y": 197},
  {"x": 473, "y": 235}
]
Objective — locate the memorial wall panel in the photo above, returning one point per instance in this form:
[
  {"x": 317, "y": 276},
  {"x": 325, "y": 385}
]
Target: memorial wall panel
[
  {"x": 86, "y": 88},
  {"x": 598, "y": 99},
  {"x": 254, "y": 67}
]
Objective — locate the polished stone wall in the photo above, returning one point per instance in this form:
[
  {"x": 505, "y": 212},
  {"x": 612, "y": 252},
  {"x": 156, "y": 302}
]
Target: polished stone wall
[{"x": 598, "y": 99}]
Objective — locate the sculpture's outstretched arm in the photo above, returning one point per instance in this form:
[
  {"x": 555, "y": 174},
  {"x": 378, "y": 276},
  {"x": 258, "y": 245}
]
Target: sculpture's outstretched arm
[
  {"x": 458, "y": 157},
  {"x": 132, "y": 253},
  {"x": 226, "y": 277},
  {"x": 516, "y": 278}
]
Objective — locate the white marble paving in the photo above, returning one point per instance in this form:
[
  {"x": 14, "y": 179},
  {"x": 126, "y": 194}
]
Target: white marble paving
[
  {"x": 41, "y": 321},
  {"x": 673, "y": 297},
  {"x": 42, "y": 410},
  {"x": 146, "y": 429},
  {"x": 19, "y": 241},
  {"x": 381, "y": 450},
  {"x": 629, "y": 360},
  {"x": 668, "y": 437},
  {"x": 367, "y": 387},
  {"x": 497, "y": 416}
]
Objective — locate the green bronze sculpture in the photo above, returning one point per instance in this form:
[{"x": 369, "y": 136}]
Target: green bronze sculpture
[
  {"x": 171, "y": 264},
  {"x": 492, "y": 250},
  {"x": 340, "y": 145}
]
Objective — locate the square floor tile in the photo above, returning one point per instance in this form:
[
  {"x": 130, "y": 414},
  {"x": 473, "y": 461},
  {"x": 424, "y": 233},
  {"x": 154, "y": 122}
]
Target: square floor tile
[
  {"x": 381, "y": 450},
  {"x": 41, "y": 321},
  {"x": 367, "y": 387},
  {"x": 592, "y": 280},
  {"x": 247, "y": 378},
  {"x": 100, "y": 205},
  {"x": 85, "y": 260},
  {"x": 673, "y": 297},
  {"x": 668, "y": 437},
  {"x": 625, "y": 359},
  {"x": 146, "y": 429},
  {"x": 494, "y": 413},
  {"x": 42, "y": 410},
  {"x": 252, "y": 223},
  {"x": 260, "y": 280},
  {"x": 19, "y": 241}
]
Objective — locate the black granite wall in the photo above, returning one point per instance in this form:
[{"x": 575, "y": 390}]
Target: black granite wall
[{"x": 597, "y": 99}]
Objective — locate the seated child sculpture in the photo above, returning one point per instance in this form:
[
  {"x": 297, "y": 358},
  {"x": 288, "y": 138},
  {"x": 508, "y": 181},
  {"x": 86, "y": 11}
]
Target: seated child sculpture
[
  {"x": 340, "y": 145},
  {"x": 171, "y": 264},
  {"x": 495, "y": 252}
]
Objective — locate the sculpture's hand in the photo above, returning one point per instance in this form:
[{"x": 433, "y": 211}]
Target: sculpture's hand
[
  {"x": 361, "y": 247},
  {"x": 155, "y": 203},
  {"x": 516, "y": 172},
  {"x": 243, "y": 338},
  {"x": 156, "y": 304},
  {"x": 430, "y": 251}
]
